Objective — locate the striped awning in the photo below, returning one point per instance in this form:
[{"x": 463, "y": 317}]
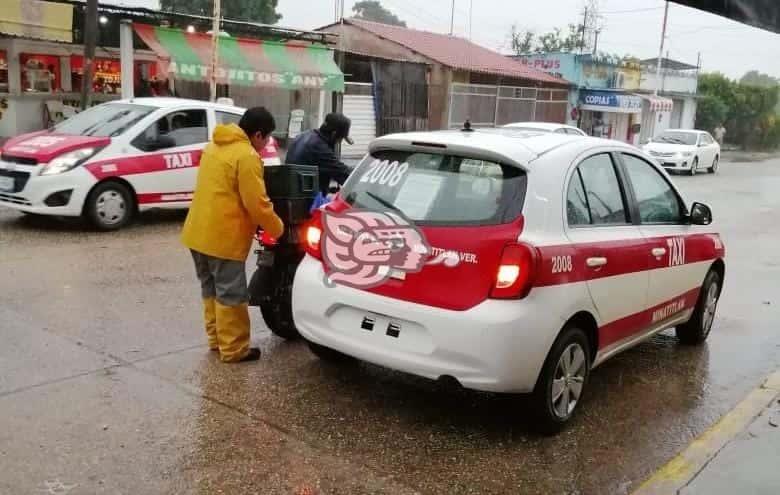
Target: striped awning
[
  {"x": 242, "y": 61},
  {"x": 658, "y": 103}
]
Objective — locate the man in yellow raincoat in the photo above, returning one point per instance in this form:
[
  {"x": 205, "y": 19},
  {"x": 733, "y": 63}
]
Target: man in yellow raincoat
[{"x": 229, "y": 203}]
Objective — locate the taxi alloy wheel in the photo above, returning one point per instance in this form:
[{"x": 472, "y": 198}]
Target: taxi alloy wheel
[
  {"x": 559, "y": 389},
  {"x": 110, "y": 206},
  {"x": 697, "y": 329}
]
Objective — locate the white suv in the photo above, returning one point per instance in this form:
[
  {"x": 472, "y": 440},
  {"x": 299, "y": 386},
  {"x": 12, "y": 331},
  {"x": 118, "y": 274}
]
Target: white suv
[{"x": 564, "y": 252}]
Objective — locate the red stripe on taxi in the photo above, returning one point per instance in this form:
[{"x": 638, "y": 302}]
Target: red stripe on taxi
[
  {"x": 169, "y": 197},
  {"x": 567, "y": 263},
  {"x": 143, "y": 164},
  {"x": 625, "y": 327}
]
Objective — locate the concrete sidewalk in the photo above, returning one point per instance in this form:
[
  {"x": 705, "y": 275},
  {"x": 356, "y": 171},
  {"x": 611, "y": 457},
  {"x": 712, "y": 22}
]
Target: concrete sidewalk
[
  {"x": 739, "y": 454},
  {"x": 750, "y": 463}
]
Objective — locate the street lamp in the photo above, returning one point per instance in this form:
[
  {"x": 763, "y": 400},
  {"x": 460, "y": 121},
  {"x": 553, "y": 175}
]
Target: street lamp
[
  {"x": 103, "y": 19},
  {"x": 190, "y": 28}
]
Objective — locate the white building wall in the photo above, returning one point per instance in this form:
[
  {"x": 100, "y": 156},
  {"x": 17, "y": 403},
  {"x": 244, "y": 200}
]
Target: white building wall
[
  {"x": 689, "y": 114},
  {"x": 671, "y": 81}
]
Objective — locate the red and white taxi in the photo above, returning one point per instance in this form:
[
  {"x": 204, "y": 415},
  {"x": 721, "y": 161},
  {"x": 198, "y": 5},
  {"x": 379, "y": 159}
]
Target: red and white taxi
[
  {"x": 569, "y": 250},
  {"x": 114, "y": 159}
]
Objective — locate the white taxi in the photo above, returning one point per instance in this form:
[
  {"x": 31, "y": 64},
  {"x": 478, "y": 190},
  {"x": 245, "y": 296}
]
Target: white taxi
[
  {"x": 565, "y": 250},
  {"x": 114, "y": 159}
]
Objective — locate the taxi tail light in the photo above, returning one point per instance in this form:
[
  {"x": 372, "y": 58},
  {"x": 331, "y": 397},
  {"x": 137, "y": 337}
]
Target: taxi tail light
[
  {"x": 516, "y": 272},
  {"x": 312, "y": 235}
]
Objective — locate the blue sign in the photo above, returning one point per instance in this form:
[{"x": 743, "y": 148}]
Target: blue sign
[{"x": 611, "y": 100}]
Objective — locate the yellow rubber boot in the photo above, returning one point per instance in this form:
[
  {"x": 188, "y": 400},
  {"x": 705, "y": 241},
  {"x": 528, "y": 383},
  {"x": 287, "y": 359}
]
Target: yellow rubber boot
[
  {"x": 210, "y": 318},
  {"x": 232, "y": 331}
]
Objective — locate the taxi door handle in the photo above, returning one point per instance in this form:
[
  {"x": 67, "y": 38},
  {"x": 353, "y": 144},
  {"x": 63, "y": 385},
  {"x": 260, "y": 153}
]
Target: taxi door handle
[
  {"x": 658, "y": 252},
  {"x": 596, "y": 262}
]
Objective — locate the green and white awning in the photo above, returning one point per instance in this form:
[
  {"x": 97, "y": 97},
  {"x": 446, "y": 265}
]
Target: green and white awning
[{"x": 242, "y": 61}]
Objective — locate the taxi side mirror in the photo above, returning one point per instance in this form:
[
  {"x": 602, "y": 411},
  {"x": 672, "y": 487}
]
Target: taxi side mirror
[{"x": 701, "y": 214}]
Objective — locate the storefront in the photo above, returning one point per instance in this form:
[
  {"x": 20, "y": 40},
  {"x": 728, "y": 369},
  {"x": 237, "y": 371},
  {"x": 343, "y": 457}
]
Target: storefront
[
  {"x": 283, "y": 77},
  {"x": 656, "y": 116},
  {"x": 610, "y": 115},
  {"x": 40, "y": 81}
]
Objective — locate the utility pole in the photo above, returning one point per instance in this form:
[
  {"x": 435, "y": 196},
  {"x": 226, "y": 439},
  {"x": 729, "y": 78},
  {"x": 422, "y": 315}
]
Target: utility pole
[
  {"x": 584, "y": 27},
  {"x": 452, "y": 19},
  {"x": 215, "y": 50},
  {"x": 471, "y": 16},
  {"x": 661, "y": 49},
  {"x": 596, "y": 42},
  {"x": 90, "y": 40}
]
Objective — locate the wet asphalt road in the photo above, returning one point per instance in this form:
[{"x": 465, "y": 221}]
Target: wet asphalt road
[{"x": 106, "y": 385}]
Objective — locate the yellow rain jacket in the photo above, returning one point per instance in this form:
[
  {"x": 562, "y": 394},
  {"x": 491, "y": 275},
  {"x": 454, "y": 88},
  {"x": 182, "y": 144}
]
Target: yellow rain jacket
[{"x": 230, "y": 199}]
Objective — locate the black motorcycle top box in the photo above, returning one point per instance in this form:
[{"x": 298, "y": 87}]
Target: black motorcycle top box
[{"x": 290, "y": 181}]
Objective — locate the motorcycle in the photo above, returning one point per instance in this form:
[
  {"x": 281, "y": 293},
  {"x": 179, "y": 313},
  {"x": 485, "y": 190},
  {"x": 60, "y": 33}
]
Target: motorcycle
[{"x": 292, "y": 189}]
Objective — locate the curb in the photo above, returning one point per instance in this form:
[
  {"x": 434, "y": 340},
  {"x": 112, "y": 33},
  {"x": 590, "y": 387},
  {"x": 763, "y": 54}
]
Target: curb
[{"x": 684, "y": 467}]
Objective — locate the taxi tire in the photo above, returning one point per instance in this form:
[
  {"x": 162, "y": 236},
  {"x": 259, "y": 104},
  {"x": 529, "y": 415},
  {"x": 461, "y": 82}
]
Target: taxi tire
[
  {"x": 329, "y": 355},
  {"x": 541, "y": 406},
  {"x": 693, "y": 332},
  {"x": 279, "y": 319},
  {"x": 90, "y": 206}
]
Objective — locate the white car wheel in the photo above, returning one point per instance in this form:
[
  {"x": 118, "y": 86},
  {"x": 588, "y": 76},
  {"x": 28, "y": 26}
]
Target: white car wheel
[
  {"x": 694, "y": 166},
  {"x": 714, "y": 168}
]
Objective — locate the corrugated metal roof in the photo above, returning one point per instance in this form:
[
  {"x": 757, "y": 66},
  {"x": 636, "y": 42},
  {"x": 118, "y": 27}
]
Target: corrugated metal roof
[{"x": 455, "y": 52}]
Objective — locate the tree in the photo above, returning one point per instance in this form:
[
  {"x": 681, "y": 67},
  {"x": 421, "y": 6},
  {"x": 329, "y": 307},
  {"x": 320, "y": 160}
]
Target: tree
[
  {"x": 557, "y": 41},
  {"x": 260, "y": 11},
  {"x": 552, "y": 41},
  {"x": 750, "y": 110},
  {"x": 372, "y": 10},
  {"x": 576, "y": 36},
  {"x": 522, "y": 41},
  {"x": 756, "y": 78},
  {"x": 710, "y": 113}
]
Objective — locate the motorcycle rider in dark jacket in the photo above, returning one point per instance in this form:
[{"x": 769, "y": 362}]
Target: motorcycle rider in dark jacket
[{"x": 318, "y": 147}]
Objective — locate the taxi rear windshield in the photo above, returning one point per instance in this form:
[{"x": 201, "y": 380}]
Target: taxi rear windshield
[{"x": 433, "y": 188}]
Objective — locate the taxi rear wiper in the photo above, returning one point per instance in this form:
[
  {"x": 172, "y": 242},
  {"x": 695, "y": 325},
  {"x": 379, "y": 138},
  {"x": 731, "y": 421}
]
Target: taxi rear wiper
[{"x": 385, "y": 203}]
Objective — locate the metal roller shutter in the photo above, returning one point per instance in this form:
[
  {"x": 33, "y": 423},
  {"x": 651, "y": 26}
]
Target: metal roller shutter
[{"x": 360, "y": 110}]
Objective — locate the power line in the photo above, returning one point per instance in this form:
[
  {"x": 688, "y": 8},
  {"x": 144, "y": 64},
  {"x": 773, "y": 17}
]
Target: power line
[
  {"x": 415, "y": 11},
  {"x": 630, "y": 11}
]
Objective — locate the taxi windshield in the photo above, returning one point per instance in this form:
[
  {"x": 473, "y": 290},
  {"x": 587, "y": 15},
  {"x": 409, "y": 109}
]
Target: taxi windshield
[
  {"x": 107, "y": 120},
  {"x": 431, "y": 188}
]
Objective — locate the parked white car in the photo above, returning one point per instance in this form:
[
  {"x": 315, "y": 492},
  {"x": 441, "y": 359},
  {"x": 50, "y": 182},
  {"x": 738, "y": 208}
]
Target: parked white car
[
  {"x": 546, "y": 127},
  {"x": 565, "y": 251},
  {"x": 685, "y": 150}
]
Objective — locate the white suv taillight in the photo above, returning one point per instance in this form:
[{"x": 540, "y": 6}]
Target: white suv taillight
[{"x": 516, "y": 272}]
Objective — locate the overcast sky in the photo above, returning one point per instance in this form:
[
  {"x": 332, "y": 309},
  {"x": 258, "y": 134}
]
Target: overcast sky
[{"x": 630, "y": 27}]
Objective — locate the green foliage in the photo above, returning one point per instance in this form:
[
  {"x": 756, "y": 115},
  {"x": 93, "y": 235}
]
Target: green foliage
[
  {"x": 557, "y": 40},
  {"x": 756, "y": 78},
  {"x": 749, "y": 110},
  {"x": 259, "y": 11},
  {"x": 522, "y": 41},
  {"x": 710, "y": 113},
  {"x": 372, "y": 10}
]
